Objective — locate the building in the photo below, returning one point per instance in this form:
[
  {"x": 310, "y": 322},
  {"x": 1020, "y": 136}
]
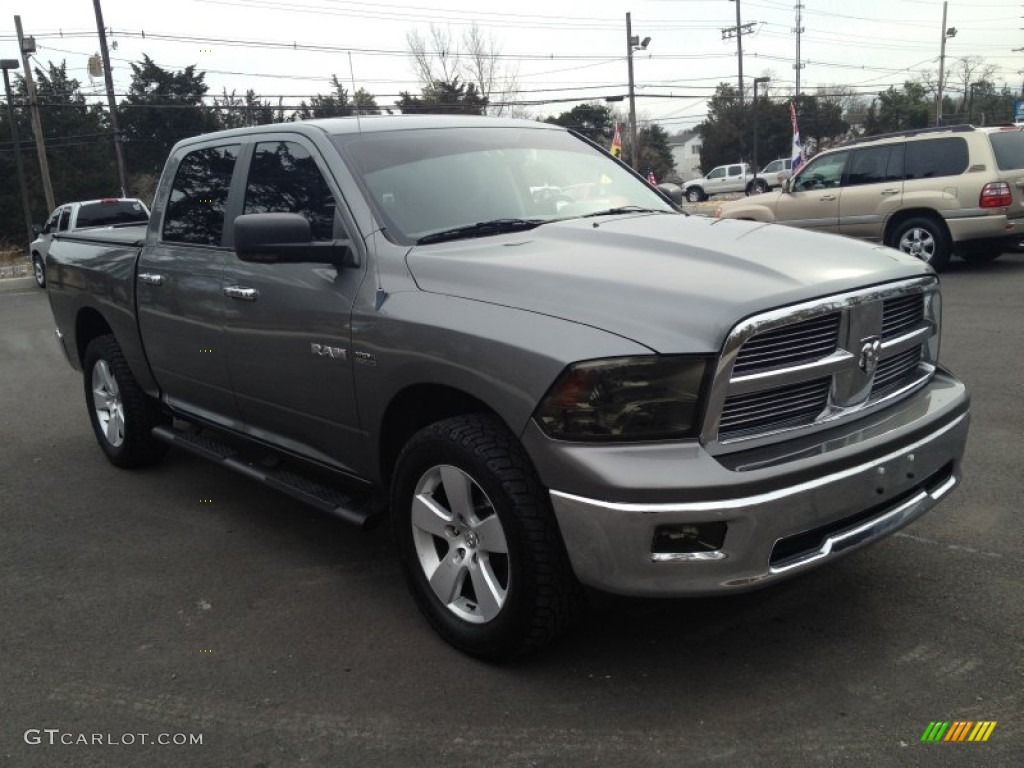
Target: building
[{"x": 685, "y": 148}]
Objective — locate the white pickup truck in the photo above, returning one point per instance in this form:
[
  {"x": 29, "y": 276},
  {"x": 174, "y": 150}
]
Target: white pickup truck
[
  {"x": 722, "y": 179},
  {"x": 85, "y": 214}
]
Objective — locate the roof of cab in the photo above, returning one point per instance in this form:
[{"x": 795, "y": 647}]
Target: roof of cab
[{"x": 375, "y": 124}]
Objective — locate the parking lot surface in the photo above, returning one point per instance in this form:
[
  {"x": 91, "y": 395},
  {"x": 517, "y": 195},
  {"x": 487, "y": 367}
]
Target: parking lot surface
[{"x": 185, "y": 601}]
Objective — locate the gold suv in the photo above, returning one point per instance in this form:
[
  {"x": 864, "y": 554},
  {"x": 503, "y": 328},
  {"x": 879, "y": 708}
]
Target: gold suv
[{"x": 929, "y": 192}]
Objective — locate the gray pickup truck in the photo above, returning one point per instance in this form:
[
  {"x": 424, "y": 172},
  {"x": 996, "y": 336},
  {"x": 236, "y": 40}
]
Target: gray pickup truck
[{"x": 504, "y": 340}]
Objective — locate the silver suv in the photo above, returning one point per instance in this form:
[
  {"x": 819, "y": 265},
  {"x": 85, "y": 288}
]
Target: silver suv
[{"x": 930, "y": 193}]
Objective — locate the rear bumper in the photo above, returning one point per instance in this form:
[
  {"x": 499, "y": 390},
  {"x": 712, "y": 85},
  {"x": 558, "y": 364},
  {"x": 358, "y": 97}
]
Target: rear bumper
[
  {"x": 982, "y": 225},
  {"x": 796, "y": 520}
]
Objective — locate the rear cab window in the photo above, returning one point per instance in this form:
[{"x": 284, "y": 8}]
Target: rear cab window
[{"x": 106, "y": 213}]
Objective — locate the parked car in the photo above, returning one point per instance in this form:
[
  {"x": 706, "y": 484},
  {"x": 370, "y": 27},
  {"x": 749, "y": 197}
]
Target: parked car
[
  {"x": 724, "y": 179},
  {"x": 930, "y": 193},
  {"x": 544, "y": 374},
  {"x": 86, "y": 214},
  {"x": 776, "y": 172}
]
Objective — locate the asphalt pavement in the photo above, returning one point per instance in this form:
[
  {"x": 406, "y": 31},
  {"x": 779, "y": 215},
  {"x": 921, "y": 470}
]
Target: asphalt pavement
[{"x": 184, "y": 603}]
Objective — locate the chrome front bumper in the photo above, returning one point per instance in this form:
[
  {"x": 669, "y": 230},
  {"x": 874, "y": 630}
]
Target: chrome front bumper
[{"x": 834, "y": 513}]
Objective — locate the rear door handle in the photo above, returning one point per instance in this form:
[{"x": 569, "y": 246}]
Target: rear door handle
[
  {"x": 151, "y": 278},
  {"x": 827, "y": 198},
  {"x": 242, "y": 294},
  {"x": 890, "y": 191}
]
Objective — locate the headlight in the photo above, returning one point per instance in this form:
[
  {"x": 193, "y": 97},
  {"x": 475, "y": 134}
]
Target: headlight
[{"x": 629, "y": 398}]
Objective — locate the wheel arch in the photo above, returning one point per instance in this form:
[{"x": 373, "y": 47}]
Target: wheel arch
[
  {"x": 89, "y": 324},
  {"x": 906, "y": 214},
  {"x": 416, "y": 407}
]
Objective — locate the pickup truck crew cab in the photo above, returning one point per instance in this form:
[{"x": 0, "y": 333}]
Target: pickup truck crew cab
[{"x": 531, "y": 361}]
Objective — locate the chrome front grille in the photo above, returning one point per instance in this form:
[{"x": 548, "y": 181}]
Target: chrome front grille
[
  {"x": 792, "y": 344},
  {"x": 791, "y": 406},
  {"x": 815, "y": 364}
]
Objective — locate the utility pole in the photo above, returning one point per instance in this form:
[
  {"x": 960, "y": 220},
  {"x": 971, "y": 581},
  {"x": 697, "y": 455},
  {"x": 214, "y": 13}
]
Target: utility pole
[
  {"x": 27, "y": 46},
  {"x": 799, "y": 62},
  {"x": 109, "y": 80},
  {"x": 7, "y": 64},
  {"x": 738, "y": 31},
  {"x": 951, "y": 32},
  {"x": 633, "y": 44}
]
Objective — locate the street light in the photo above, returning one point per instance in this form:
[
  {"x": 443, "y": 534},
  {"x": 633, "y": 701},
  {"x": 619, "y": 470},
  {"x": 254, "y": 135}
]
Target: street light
[
  {"x": 757, "y": 81},
  {"x": 7, "y": 64},
  {"x": 633, "y": 43}
]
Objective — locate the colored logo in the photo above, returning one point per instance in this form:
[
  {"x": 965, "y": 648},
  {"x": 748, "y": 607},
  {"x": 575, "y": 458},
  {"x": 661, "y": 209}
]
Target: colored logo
[{"x": 958, "y": 730}]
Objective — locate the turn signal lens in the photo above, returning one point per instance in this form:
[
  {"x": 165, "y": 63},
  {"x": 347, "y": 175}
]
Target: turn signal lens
[{"x": 633, "y": 398}]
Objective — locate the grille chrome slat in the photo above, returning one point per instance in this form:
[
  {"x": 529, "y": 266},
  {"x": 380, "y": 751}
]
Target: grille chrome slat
[
  {"x": 902, "y": 313},
  {"x": 799, "y": 342},
  {"x": 772, "y": 408}
]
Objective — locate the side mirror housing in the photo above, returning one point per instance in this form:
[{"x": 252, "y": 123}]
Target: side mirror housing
[
  {"x": 672, "y": 191},
  {"x": 272, "y": 238},
  {"x": 36, "y": 230},
  {"x": 786, "y": 184}
]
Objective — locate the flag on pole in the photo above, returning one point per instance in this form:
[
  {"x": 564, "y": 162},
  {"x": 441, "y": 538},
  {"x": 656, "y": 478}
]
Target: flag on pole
[
  {"x": 617, "y": 143},
  {"x": 650, "y": 177},
  {"x": 797, "y": 153}
]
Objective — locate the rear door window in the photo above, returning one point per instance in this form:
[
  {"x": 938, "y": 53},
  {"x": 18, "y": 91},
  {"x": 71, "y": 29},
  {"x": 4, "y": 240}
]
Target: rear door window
[
  {"x": 108, "y": 212},
  {"x": 1009, "y": 149},
  {"x": 195, "y": 211},
  {"x": 932, "y": 158},
  {"x": 868, "y": 166}
]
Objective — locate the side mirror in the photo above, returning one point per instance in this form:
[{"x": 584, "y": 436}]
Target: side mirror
[
  {"x": 36, "y": 230},
  {"x": 787, "y": 184},
  {"x": 272, "y": 238}
]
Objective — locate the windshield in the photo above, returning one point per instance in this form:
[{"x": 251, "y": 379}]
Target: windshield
[
  {"x": 427, "y": 181},
  {"x": 108, "y": 212}
]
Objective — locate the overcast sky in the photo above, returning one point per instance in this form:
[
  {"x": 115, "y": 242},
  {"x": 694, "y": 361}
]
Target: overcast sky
[{"x": 559, "y": 50}]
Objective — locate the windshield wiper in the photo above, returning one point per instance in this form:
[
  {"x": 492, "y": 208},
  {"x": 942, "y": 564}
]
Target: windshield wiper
[
  {"x": 481, "y": 229},
  {"x": 625, "y": 209}
]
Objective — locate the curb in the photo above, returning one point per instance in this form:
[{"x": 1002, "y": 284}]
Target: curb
[{"x": 18, "y": 284}]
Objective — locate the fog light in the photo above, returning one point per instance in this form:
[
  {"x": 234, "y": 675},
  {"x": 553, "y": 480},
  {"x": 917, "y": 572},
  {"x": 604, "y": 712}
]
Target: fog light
[{"x": 688, "y": 539}]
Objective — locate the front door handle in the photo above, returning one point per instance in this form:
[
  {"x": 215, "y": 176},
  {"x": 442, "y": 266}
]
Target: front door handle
[
  {"x": 890, "y": 192},
  {"x": 242, "y": 294},
  {"x": 827, "y": 198},
  {"x": 151, "y": 278}
]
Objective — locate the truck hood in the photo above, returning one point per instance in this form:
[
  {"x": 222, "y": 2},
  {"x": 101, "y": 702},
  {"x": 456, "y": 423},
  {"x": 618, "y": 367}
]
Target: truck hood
[{"x": 673, "y": 283}]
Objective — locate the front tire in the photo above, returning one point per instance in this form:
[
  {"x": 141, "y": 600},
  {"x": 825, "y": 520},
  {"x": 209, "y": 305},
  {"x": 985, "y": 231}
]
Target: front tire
[
  {"x": 38, "y": 270},
  {"x": 694, "y": 195},
  {"x": 480, "y": 546},
  {"x": 121, "y": 414},
  {"x": 925, "y": 239}
]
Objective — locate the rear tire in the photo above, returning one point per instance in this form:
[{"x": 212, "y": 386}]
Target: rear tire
[
  {"x": 38, "y": 270},
  {"x": 121, "y": 414},
  {"x": 924, "y": 238},
  {"x": 757, "y": 187},
  {"x": 479, "y": 543}
]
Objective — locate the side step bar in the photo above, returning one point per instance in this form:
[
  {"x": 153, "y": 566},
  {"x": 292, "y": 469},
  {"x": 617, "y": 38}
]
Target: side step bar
[{"x": 358, "y": 511}]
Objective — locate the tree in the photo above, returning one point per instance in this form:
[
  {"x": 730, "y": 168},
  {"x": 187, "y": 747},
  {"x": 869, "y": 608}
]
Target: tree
[
  {"x": 242, "y": 111},
  {"x": 721, "y": 137},
  {"x": 79, "y": 146},
  {"x": 446, "y": 98},
  {"x": 338, "y": 104},
  {"x": 899, "y": 110},
  {"x": 442, "y": 59},
  {"x": 161, "y": 108},
  {"x": 653, "y": 151},
  {"x": 595, "y": 121}
]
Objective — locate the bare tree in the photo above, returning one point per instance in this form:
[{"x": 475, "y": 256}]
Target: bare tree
[
  {"x": 967, "y": 70},
  {"x": 476, "y": 59}
]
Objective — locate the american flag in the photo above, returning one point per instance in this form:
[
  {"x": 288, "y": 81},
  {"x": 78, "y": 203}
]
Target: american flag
[
  {"x": 797, "y": 153},
  {"x": 650, "y": 177}
]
